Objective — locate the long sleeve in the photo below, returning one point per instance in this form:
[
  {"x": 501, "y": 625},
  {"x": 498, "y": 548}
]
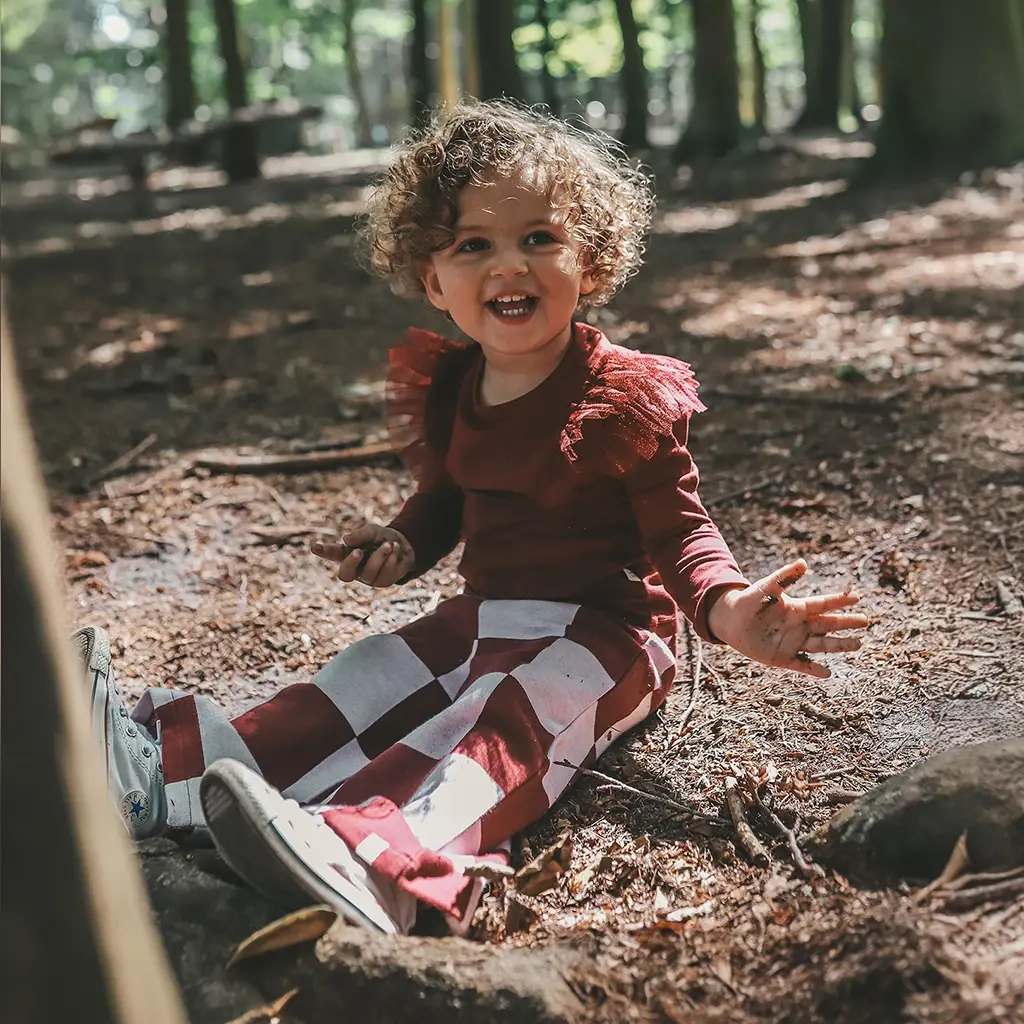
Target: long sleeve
[
  {"x": 431, "y": 520},
  {"x": 678, "y": 535}
]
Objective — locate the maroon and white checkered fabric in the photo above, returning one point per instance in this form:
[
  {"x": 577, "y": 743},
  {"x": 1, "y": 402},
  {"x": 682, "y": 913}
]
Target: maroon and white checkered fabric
[{"x": 428, "y": 748}]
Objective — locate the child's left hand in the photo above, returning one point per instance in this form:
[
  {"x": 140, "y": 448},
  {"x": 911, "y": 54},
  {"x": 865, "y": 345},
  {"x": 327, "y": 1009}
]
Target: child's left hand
[{"x": 763, "y": 622}]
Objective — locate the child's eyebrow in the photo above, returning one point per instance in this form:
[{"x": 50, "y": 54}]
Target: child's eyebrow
[{"x": 545, "y": 222}]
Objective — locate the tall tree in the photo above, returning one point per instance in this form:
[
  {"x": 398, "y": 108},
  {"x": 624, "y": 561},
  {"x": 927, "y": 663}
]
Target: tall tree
[
  {"x": 419, "y": 65},
  {"x": 364, "y": 131},
  {"x": 241, "y": 141},
  {"x": 470, "y": 50},
  {"x": 499, "y": 71},
  {"x": 826, "y": 31},
  {"x": 549, "y": 89},
  {"x": 634, "y": 78},
  {"x": 952, "y": 83},
  {"x": 760, "y": 103},
  {"x": 181, "y": 86},
  {"x": 714, "y": 125}
]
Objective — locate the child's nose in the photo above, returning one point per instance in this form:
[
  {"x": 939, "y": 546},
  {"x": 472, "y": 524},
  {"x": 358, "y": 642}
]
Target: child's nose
[{"x": 508, "y": 262}]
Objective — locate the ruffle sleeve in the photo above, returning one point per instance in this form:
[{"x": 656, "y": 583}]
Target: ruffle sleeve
[
  {"x": 425, "y": 372},
  {"x": 632, "y": 402}
]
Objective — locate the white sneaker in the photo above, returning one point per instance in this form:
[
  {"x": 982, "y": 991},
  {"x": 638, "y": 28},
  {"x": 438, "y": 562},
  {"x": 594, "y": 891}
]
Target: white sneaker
[
  {"x": 292, "y": 854},
  {"x": 134, "y": 771}
]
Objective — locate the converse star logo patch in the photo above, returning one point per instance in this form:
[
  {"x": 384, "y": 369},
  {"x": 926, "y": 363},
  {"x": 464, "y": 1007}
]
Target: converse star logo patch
[{"x": 135, "y": 807}]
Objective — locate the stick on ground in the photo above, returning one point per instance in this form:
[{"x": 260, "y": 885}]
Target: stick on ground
[
  {"x": 310, "y": 462},
  {"x": 805, "y": 866},
  {"x": 754, "y": 847}
]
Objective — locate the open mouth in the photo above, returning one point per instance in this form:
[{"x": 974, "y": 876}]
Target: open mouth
[{"x": 513, "y": 307}]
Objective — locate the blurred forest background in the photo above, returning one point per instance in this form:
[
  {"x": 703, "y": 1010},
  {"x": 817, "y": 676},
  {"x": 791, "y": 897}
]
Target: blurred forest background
[{"x": 241, "y": 79}]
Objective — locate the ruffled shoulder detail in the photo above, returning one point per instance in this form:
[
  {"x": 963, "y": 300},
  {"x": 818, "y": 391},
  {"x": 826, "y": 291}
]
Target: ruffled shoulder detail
[
  {"x": 639, "y": 397},
  {"x": 425, "y": 372}
]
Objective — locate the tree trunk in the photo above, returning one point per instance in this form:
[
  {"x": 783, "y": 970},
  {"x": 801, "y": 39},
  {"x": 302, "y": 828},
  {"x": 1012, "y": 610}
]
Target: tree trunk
[
  {"x": 471, "y": 53},
  {"x": 78, "y": 942},
  {"x": 549, "y": 89},
  {"x": 499, "y": 72},
  {"x": 834, "y": 23},
  {"x": 757, "y": 60},
  {"x": 419, "y": 66},
  {"x": 364, "y": 130},
  {"x": 809, "y": 12},
  {"x": 714, "y": 127},
  {"x": 447, "y": 55},
  {"x": 240, "y": 157},
  {"x": 953, "y": 83},
  {"x": 181, "y": 86},
  {"x": 634, "y": 78}
]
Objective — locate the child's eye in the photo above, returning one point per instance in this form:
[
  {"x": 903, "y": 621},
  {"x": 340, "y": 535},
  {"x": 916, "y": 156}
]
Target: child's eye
[
  {"x": 472, "y": 245},
  {"x": 540, "y": 238}
]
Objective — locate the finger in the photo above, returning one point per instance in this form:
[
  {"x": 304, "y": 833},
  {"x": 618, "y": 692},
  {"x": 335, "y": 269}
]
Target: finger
[
  {"x": 331, "y": 552},
  {"x": 819, "y": 603},
  {"x": 775, "y": 583},
  {"x": 831, "y": 644},
  {"x": 822, "y": 624},
  {"x": 390, "y": 571},
  {"x": 348, "y": 570},
  {"x": 803, "y": 664},
  {"x": 375, "y": 563},
  {"x": 362, "y": 536}
]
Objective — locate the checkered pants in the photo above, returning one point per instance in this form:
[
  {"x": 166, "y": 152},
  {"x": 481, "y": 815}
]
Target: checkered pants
[{"x": 428, "y": 748}]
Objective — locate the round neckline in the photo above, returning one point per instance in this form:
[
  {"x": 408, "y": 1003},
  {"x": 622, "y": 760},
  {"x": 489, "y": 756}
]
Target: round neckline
[{"x": 527, "y": 398}]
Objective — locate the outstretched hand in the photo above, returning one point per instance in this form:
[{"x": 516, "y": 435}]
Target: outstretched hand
[
  {"x": 763, "y": 622},
  {"x": 375, "y": 555}
]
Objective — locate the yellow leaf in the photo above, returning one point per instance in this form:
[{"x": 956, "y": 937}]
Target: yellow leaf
[
  {"x": 304, "y": 925},
  {"x": 268, "y": 1014}
]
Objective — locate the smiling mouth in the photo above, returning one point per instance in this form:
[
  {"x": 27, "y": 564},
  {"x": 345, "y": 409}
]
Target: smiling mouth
[{"x": 513, "y": 307}]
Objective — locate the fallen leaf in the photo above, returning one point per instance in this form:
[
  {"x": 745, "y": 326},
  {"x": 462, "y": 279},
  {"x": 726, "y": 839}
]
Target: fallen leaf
[
  {"x": 269, "y": 1013},
  {"x": 542, "y": 873},
  {"x": 304, "y": 925}
]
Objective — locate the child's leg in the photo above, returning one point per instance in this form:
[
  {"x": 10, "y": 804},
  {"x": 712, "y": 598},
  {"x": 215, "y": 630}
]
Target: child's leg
[
  {"x": 541, "y": 683},
  {"x": 310, "y": 737}
]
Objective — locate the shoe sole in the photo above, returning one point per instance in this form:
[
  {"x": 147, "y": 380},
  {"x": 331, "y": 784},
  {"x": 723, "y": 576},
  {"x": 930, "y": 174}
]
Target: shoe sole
[{"x": 253, "y": 848}]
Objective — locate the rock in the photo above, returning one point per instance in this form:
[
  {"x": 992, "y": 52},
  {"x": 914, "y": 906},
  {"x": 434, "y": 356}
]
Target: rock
[
  {"x": 202, "y": 917},
  {"x": 907, "y": 826},
  {"x": 203, "y": 914},
  {"x": 444, "y": 981}
]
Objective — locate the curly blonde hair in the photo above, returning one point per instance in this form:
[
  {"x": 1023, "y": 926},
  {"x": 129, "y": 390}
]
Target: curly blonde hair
[{"x": 413, "y": 208}]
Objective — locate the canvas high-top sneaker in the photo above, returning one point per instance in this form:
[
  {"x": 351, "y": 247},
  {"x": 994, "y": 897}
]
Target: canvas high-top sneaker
[
  {"x": 292, "y": 854},
  {"x": 134, "y": 771}
]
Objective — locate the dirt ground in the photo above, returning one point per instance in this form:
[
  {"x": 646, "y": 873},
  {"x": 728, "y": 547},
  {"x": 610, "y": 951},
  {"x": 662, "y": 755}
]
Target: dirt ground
[{"x": 861, "y": 350}]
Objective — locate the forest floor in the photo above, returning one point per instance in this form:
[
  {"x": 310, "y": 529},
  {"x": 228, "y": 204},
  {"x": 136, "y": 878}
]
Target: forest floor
[{"x": 861, "y": 349}]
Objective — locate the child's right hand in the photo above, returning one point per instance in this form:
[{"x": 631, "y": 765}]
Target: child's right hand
[{"x": 375, "y": 555}]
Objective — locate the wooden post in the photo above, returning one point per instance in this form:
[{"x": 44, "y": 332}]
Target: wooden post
[{"x": 78, "y": 940}]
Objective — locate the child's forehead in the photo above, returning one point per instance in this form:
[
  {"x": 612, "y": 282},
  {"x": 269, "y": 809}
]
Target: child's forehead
[{"x": 508, "y": 196}]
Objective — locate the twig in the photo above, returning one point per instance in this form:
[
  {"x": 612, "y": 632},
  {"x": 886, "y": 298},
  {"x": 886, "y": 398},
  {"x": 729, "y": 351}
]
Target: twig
[
  {"x": 958, "y": 863},
  {"x": 842, "y": 796},
  {"x": 287, "y": 534},
  {"x": 830, "y": 401},
  {"x": 123, "y": 461},
  {"x": 789, "y": 834},
  {"x": 832, "y": 721},
  {"x": 309, "y": 462},
  {"x": 755, "y": 849},
  {"x": 655, "y": 797},
  {"x": 965, "y": 899},
  {"x": 761, "y": 485},
  {"x": 984, "y": 878},
  {"x": 975, "y": 654},
  {"x": 698, "y": 658}
]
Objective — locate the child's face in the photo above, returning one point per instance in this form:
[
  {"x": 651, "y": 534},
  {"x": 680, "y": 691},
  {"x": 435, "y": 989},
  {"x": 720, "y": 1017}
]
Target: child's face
[{"x": 511, "y": 279}]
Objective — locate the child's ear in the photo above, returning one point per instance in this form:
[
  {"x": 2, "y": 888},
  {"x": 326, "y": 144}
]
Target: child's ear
[
  {"x": 432, "y": 286},
  {"x": 587, "y": 282}
]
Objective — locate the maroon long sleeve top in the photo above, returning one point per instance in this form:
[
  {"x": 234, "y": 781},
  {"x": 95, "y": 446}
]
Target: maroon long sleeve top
[{"x": 581, "y": 490}]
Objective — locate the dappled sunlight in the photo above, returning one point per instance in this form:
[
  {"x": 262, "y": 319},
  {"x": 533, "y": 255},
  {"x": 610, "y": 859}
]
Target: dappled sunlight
[{"x": 997, "y": 270}]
